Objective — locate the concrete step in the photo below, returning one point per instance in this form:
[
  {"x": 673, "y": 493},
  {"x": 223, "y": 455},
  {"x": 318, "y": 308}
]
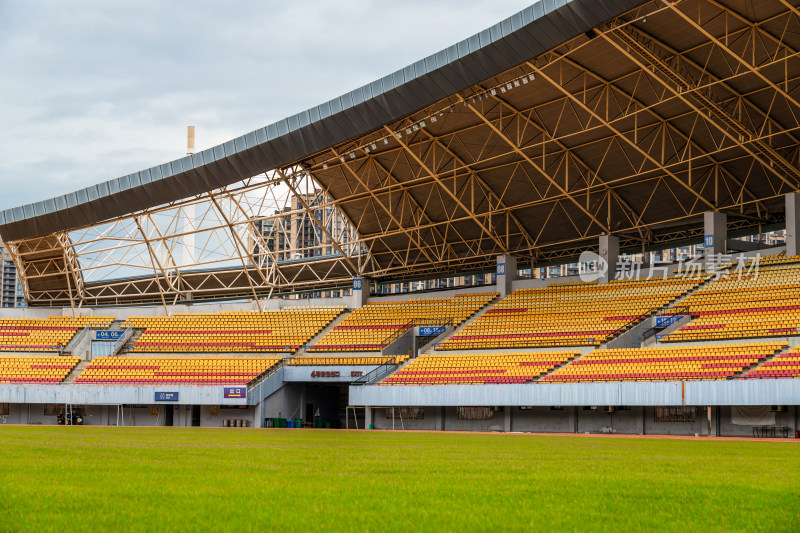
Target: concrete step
[
  {"x": 266, "y": 375},
  {"x": 674, "y": 304},
  {"x": 316, "y": 338},
  {"x": 130, "y": 342},
  {"x": 75, "y": 372},
  {"x": 467, "y": 322},
  {"x": 759, "y": 364},
  {"x": 562, "y": 365}
]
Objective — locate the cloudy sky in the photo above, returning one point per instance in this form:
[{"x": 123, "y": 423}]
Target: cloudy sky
[{"x": 92, "y": 90}]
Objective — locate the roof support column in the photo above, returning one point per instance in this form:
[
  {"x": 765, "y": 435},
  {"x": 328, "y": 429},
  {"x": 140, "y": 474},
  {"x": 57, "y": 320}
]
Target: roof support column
[
  {"x": 715, "y": 233},
  {"x": 792, "y": 221},
  {"x": 506, "y": 274},
  {"x": 360, "y": 292},
  {"x": 609, "y": 252}
]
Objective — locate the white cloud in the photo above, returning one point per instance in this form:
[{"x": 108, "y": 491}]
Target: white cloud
[{"x": 93, "y": 90}]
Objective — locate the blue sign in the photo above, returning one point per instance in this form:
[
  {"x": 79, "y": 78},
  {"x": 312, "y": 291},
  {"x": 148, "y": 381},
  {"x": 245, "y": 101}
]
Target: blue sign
[
  {"x": 106, "y": 335},
  {"x": 357, "y": 283},
  {"x": 430, "y": 331},
  {"x": 234, "y": 392},
  {"x": 664, "y": 321},
  {"x": 166, "y": 396},
  {"x": 501, "y": 269},
  {"x": 658, "y": 337},
  {"x": 708, "y": 242}
]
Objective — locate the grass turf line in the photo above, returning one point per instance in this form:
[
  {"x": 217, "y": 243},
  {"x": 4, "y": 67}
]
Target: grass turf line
[{"x": 56, "y": 478}]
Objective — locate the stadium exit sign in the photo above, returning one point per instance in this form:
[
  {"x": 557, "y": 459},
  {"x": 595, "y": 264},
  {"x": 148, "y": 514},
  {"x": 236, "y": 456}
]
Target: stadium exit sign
[
  {"x": 234, "y": 392},
  {"x": 108, "y": 335},
  {"x": 166, "y": 396}
]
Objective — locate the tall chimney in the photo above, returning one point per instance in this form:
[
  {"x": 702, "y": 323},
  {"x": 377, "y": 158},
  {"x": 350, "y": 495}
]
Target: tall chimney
[{"x": 190, "y": 140}]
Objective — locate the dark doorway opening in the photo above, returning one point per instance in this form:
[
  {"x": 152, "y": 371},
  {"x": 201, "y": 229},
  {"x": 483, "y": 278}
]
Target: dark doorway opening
[{"x": 195, "y": 416}]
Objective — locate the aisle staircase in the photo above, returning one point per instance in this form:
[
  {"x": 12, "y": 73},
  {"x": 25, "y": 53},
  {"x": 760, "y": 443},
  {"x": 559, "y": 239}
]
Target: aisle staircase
[
  {"x": 316, "y": 338},
  {"x": 467, "y": 322},
  {"x": 759, "y": 364},
  {"x": 75, "y": 373}
]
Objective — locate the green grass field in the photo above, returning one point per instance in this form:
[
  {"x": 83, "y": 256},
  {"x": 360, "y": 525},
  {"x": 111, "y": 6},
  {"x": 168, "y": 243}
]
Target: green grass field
[{"x": 172, "y": 479}]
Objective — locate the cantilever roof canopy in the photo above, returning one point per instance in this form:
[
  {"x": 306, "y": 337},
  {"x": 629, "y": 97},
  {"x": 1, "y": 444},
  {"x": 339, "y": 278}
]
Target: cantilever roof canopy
[
  {"x": 537, "y": 29},
  {"x": 563, "y": 122}
]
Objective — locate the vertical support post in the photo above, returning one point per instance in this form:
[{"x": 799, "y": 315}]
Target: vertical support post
[
  {"x": 360, "y": 292},
  {"x": 259, "y": 418},
  {"x": 708, "y": 410},
  {"x": 715, "y": 240},
  {"x": 609, "y": 252},
  {"x": 507, "y": 419},
  {"x": 792, "y": 221},
  {"x": 367, "y": 417},
  {"x": 506, "y": 274},
  {"x": 644, "y": 420},
  {"x": 575, "y": 419}
]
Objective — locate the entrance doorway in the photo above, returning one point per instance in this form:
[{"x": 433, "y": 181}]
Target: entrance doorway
[
  {"x": 195, "y": 416},
  {"x": 309, "y": 418},
  {"x": 169, "y": 413}
]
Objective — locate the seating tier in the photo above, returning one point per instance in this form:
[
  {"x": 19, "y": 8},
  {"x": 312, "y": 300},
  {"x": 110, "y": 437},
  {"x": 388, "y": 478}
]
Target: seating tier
[
  {"x": 785, "y": 365},
  {"x": 44, "y": 335},
  {"x": 43, "y": 369},
  {"x": 672, "y": 363},
  {"x": 283, "y": 331},
  {"x": 478, "y": 369},
  {"x": 375, "y": 325},
  {"x": 129, "y": 370},
  {"x": 762, "y": 304},
  {"x": 345, "y": 360},
  {"x": 577, "y": 314}
]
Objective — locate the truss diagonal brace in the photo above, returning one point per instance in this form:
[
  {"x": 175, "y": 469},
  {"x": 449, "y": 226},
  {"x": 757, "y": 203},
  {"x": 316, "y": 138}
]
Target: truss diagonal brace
[
  {"x": 497, "y": 240},
  {"x": 598, "y": 118},
  {"x": 538, "y": 168}
]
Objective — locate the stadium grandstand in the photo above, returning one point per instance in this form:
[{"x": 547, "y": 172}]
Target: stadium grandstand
[{"x": 246, "y": 281}]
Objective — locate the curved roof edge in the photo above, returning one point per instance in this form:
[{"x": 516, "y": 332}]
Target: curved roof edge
[{"x": 527, "y": 34}]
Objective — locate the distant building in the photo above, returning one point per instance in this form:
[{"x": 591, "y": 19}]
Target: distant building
[
  {"x": 11, "y": 292},
  {"x": 294, "y": 233}
]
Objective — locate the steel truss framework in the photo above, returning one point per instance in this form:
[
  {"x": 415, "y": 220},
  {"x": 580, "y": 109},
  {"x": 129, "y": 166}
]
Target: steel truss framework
[{"x": 636, "y": 129}]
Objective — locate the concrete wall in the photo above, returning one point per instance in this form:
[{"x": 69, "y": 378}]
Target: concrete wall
[
  {"x": 131, "y": 416},
  {"x": 699, "y": 426},
  {"x": 633, "y": 337},
  {"x": 17, "y": 414},
  {"x": 207, "y": 420},
  {"x": 452, "y": 423},
  {"x": 123, "y": 312},
  {"x": 635, "y": 421},
  {"x": 403, "y": 345},
  {"x": 543, "y": 420},
  {"x": 734, "y": 392},
  {"x": 432, "y": 294},
  {"x": 726, "y": 429},
  {"x": 290, "y": 402},
  {"x": 283, "y": 402},
  {"x": 432, "y": 420},
  {"x": 115, "y": 394},
  {"x": 620, "y": 421}
]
